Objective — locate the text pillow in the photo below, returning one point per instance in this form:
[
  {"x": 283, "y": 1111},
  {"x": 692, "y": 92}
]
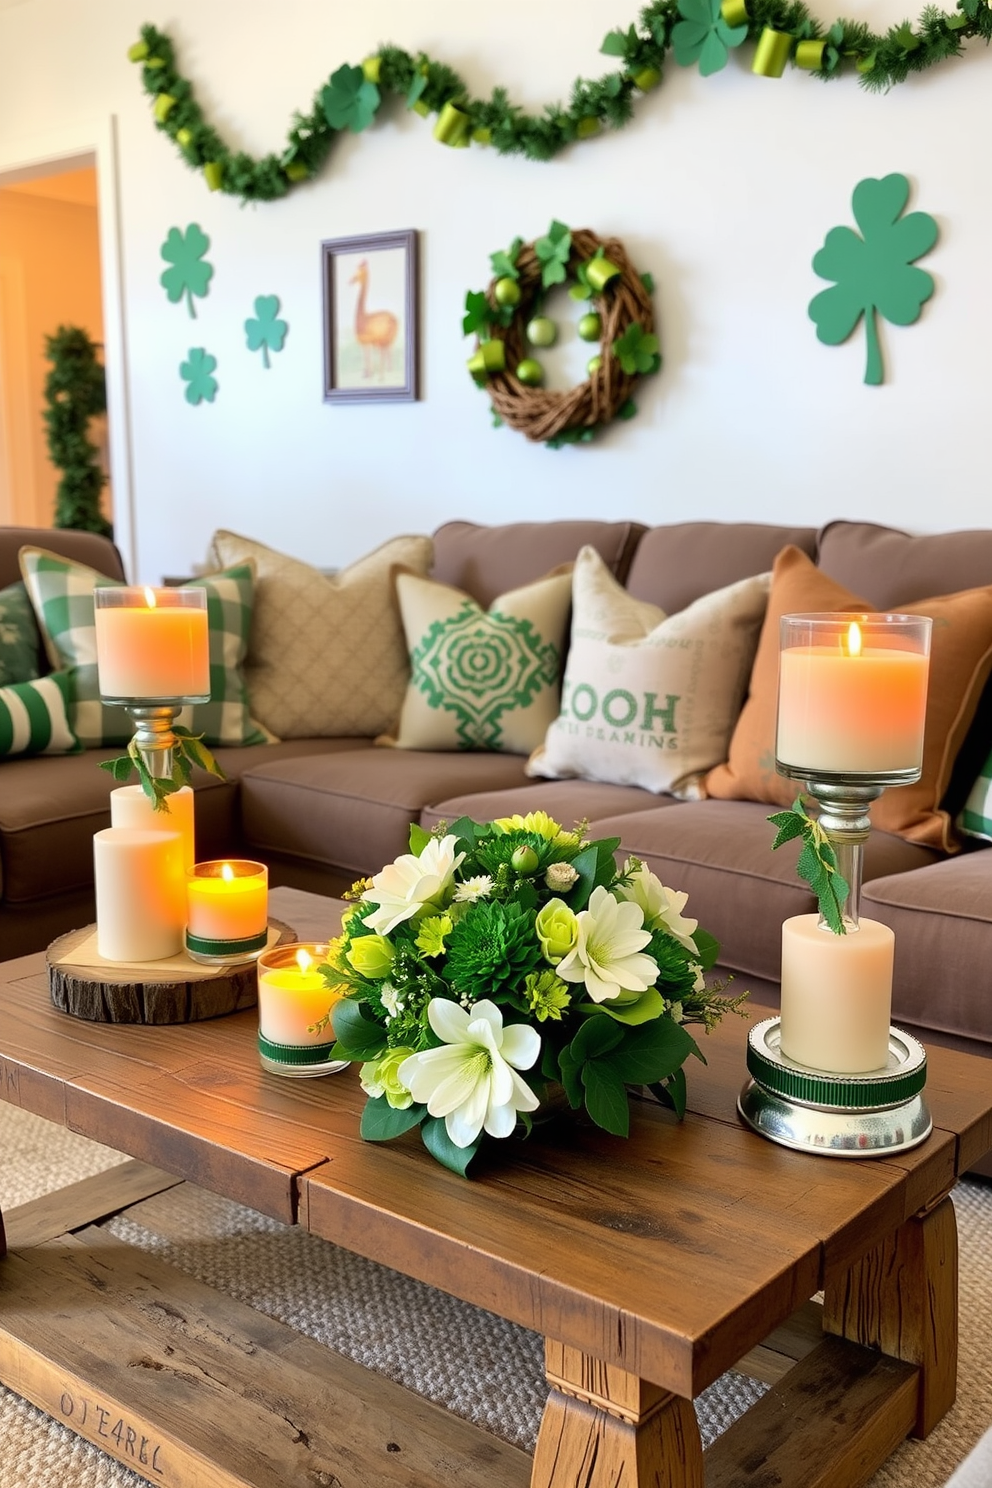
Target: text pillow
[
  {"x": 61, "y": 594},
  {"x": 326, "y": 655},
  {"x": 650, "y": 699},
  {"x": 481, "y": 679},
  {"x": 34, "y": 717}
]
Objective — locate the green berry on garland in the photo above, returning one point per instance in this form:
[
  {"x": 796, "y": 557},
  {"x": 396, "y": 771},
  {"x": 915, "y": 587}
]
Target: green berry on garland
[
  {"x": 507, "y": 291},
  {"x": 593, "y": 365},
  {"x": 590, "y": 327},
  {"x": 542, "y": 331},
  {"x": 530, "y": 372}
]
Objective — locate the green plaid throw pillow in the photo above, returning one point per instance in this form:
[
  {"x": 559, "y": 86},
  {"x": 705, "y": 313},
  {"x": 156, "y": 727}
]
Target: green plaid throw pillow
[
  {"x": 61, "y": 593},
  {"x": 20, "y": 643},
  {"x": 975, "y": 819},
  {"x": 33, "y": 717}
]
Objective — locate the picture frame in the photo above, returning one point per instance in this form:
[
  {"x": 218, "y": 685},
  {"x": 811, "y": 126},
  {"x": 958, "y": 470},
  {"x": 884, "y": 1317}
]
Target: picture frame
[{"x": 371, "y": 318}]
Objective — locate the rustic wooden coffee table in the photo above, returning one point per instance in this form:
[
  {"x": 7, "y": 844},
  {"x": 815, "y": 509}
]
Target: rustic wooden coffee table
[{"x": 650, "y": 1266}]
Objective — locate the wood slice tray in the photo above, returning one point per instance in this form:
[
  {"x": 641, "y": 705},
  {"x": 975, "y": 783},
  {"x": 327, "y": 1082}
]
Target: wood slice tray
[{"x": 104, "y": 995}]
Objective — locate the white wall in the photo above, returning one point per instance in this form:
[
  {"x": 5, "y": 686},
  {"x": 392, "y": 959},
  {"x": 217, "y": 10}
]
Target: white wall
[{"x": 723, "y": 187}]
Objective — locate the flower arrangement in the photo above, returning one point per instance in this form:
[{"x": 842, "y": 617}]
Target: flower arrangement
[{"x": 499, "y": 961}]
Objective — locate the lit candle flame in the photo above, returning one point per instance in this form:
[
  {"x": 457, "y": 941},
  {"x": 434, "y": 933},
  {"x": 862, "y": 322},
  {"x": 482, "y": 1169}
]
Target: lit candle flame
[
  {"x": 303, "y": 961},
  {"x": 227, "y": 872},
  {"x": 149, "y": 597},
  {"x": 854, "y": 639}
]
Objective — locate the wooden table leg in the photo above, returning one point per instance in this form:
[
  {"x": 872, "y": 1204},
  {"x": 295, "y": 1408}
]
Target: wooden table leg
[
  {"x": 603, "y": 1427},
  {"x": 902, "y": 1298},
  {"x": 3, "y": 1238}
]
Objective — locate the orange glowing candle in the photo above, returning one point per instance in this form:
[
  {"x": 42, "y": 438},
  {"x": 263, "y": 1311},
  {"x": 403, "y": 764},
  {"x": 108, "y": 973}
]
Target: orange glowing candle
[
  {"x": 293, "y": 997},
  {"x": 227, "y": 905},
  {"x": 152, "y": 643}
]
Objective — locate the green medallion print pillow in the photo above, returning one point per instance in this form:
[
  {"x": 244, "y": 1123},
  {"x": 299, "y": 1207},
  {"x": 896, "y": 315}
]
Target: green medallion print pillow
[
  {"x": 650, "y": 699},
  {"x": 61, "y": 593},
  {"x": 20, "y": 642},
  {"x": 481, "y": 679},
  {"x": 34, "y": 717}
]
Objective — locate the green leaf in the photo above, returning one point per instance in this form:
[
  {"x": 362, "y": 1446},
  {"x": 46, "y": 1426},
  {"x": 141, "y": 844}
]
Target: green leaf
[
  {"x": 478, "y": 312},
  {"x": 652, "y": 1052},
  {"x": 415, "y": 89},
  {"x": 358, "y": 1037},
  {"x": 419, "y": 839},
  {"x": 707, "y": 948},
  {"x": 672, "y": 1092},
  {"x": 627, "y": 409},
  {"x": 606, "y": 1097},
  {"x": 120, "y": 768},
  {"x": 614, "y": 44},
  {"x": 505, "y": 264},
  {"x": 648, "y": 281},
  {"x": 442, "y": 1148},
  {"x": 571, "y": 1077},
  {"x": 646, "y": 1007},
  {"x": 381, "y": 1122},
  {"x": 596, "y": 1036}
]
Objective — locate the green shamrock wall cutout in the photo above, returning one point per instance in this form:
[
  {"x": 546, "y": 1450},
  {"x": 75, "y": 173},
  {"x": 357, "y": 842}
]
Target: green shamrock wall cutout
[
  {"x": 874, "y": 273},
  {"x": 190, "y": 273},
  {"x": 266, "y": 332},
  {"x": 197, "y": 373},
  {"x": 350, "y": 99},
  {"x": 703, "y": 35}
]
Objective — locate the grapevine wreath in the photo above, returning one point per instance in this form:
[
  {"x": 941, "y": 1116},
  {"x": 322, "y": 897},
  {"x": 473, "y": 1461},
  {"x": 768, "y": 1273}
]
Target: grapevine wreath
[{"x": 509, "y": 328}]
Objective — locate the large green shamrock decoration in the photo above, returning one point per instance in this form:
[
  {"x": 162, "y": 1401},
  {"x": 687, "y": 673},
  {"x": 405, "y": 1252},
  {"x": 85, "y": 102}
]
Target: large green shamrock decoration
[
  {"x": 190, "y": 273},
  {"x": 197, "y": 373},
  {"x": 703, "y": 36},
  {"x": 874, "y": 273},
  {"x": 349, "y": 100},
  {"x": 553, "y": 252},
  {"x": 637, "y": 350},
  {"x": 266, "y": 331}
]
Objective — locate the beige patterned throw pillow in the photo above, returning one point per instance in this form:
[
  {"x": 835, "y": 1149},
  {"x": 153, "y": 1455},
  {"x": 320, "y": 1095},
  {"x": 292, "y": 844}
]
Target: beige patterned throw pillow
[
  {"x": 326, "y": 656},
  {"x": 481, "y": 679},
  {"x": 650, "y": 699}
]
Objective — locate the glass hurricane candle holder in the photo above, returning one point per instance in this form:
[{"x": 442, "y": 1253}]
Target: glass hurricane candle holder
[
  {"x": 295, "y": 1033},
  {"x": 153, "y": 658}
]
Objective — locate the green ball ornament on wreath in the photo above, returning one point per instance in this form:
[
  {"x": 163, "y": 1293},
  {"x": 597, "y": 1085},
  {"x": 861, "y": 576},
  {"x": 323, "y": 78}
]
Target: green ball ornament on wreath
[{"x": 617, "y": 311}]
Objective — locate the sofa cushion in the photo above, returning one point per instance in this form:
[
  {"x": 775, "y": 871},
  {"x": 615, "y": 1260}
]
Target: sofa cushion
[
  {"x": 481, "y": 679},
  {"x": 34, "y": 717},
  {"x": 672, "y": 566},
  {"x": 720, "y": 854},
  {"x": 487, "y": 561},
  {"x": 570, "y": 802},
  {"x": 892, "y": 568},
  {"x": 352, "y": 810},
  {"x": 61, "y": 594},
  {"x": 647, "y": 699},
  {"x": 943, "y": 930},
  {"x": 960, "y": 662},
  {"x": 20, "y": 639},
  {"x": 326, "y": 654},
  {"x": 83, "y": 547}
]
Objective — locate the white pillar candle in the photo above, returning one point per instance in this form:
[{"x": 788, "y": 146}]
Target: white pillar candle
[
  {"x": 152, "y": 643},
  {"x": 836, "y": 995},
  {"x": 292, "y": 995},
  {"x": 130, "y": 807},
  {"x": 140, "y": 898},
  {"x": 228, "y": 900}
]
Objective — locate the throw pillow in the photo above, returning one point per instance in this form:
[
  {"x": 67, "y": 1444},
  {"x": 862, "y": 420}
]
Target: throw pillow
[
  {"x": 34, "y": 719},
  {"x": 960, "y": 661},
  {"x": 481, "y": 679},
  {"x": 975, "y": 819},
  {"x": 61, "y": 593},
  {"x": 20, "y": 643},
  {"x": 650, "y": 699},
  {"x": 326, "y": 656}
]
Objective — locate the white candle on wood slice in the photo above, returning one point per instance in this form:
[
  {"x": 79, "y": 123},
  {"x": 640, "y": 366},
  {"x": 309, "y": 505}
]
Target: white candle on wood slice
[
  {"x": 130, "y": 807},
  {"x": 140, "y": 893},
  {"x": 836, "y": 995}
]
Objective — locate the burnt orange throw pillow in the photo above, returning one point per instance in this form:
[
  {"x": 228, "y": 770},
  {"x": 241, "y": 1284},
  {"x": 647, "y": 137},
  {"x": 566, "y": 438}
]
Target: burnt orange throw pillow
[{"x": 960, "y": 661}]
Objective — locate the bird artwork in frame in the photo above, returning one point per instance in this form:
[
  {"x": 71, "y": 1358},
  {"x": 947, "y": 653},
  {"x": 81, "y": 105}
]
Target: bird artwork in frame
[{"x": 370, "y": 318}]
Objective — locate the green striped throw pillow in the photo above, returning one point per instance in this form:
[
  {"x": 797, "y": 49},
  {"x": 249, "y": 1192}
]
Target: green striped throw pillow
[
  {"x": 34, "y": 717},
  {"x": 975, "y": 819}
]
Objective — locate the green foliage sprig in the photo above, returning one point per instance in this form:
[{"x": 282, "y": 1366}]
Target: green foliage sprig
[
  {"x": 817, "y": 861},
  {"x": 353, "y": 96},
  {"x": 75, "y": 390},
  {"x": 188, "y": 751}
]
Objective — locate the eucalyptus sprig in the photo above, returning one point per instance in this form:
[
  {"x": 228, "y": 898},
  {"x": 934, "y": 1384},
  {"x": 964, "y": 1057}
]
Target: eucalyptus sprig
[
  {"x": 817, "y": 861},
  {"x": 188, "y": 751}
]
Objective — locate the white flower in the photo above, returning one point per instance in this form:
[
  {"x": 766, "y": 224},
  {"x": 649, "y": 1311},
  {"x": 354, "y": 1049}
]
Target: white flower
[
  {"x": 560, "y": 877},
  {"x": 405, "y": 887},
  {"x": 471, "y": 889},
  {"x": 661, "y": 907},
  {"x": 472, "y": 1080},
  {"x": 611, "y": 934},
  {"x": 390, "y": 996},
  {"x": 699, "y": 985}
]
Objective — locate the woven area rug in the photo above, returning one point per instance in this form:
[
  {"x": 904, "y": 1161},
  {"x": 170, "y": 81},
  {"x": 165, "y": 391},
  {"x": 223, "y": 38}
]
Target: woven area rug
[{"x": 480, "y": 1366}]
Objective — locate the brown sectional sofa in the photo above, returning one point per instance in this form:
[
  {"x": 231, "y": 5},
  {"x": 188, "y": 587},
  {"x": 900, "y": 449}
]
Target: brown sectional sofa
[{"x": 324, "y": 811}]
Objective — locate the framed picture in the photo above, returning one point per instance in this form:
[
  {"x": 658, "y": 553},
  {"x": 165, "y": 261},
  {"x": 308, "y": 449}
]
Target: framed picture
[{"x": 370, "y": 318}]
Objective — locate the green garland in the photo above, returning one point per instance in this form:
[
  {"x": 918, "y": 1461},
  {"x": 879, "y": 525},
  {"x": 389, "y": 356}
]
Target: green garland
[
  {"x": 697, "y": 31},
  {"x": 75, "y": 390}
]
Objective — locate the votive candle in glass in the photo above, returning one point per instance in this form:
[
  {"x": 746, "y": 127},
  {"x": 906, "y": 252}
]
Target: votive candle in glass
[
  {"x": 295, "y": 1035},
  {"x": 852, "y": 695},
  {"x": 152, "y": 643},
  {"x": 227, "y": 910}
]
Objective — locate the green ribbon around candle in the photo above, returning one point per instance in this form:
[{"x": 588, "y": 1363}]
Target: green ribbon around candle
[
  {"x": 734, "y": 12},
  {"x": 809, "y": 54},
  {"x": 164, "y": 104},
  {"x": 296, "y": 1053},
  {"x": 226, "y": 949},
  {"x": 600, "y": 271},
  {"x": 213, "y": 174},
  {"x": 453, "y": 126},
  {"x": 772, "y": 52}
]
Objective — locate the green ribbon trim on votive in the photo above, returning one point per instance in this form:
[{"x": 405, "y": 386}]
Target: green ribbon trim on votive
[
  {"x": 223, "y": 948},
  {"x": 453, "y": 125},
  {"x": 772, "y": 52},
  {"x": 295, "y": 1053}
]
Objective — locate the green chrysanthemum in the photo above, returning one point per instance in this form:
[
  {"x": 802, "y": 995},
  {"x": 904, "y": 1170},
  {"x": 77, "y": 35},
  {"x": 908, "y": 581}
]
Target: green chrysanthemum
[
  {"x": 677, "y": 968},
  {"x": 491, "y": 950},
  {"x": 547, "y": 995}
]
